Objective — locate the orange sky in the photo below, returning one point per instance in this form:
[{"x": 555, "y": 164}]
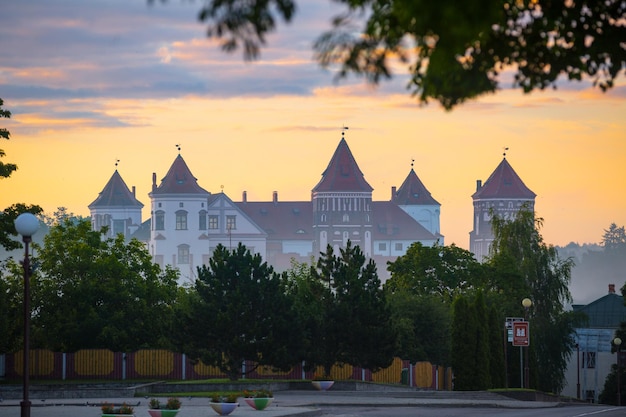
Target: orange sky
[{"x": 132, "y": 92}]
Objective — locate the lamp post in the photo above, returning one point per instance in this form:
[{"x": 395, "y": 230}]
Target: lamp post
[
  {"x": 526, "y": 303},
  {"x": 577, "y": 371},
  {"x": 26, "y": 224},
  {"x": 618, "y": 342}
]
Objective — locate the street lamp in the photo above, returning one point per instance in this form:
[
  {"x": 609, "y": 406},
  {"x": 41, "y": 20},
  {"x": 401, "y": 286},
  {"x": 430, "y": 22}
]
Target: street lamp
[
  {"x": 526, "y": 303},
  {"x": 618, "y": 342},
  {"x": 26, "y": 224}
]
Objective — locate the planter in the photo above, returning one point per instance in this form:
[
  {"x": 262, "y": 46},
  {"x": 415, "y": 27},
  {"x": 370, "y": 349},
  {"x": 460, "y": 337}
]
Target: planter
[
  {"x": 322, "y": 385},
  {"x": 259, "y": 403},
  {"x": 163, "y": 412},
  {"x": 224, "y": 409}
]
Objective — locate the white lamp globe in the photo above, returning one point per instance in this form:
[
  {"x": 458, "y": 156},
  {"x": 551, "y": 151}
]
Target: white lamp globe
[
  {"x": 617, "y": 341},
  {"x": 26, "y": 224}
]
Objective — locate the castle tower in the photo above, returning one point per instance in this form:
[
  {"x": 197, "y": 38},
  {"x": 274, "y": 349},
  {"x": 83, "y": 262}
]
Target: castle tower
[
  {"x": 178, "y": 219},
  {"x": 116, "y": 208},
  {"x": 342, "y": 204},
  {"x": 415, "y": 199},
  {"x": 505, "y": 193}
]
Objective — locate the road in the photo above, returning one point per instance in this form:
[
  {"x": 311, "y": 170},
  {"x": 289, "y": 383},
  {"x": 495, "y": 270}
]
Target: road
[{"x": 568, "y": 411}]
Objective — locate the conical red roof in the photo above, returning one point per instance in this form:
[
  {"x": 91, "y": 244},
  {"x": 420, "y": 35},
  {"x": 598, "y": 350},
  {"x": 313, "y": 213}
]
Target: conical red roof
[
  {"x": 342, "y": 173},
  {"x": 413, "y": 191},
  {"x": 504, "y": 183},
  {"x": 115, "y": 193},
  {"x": 179, "y": 180}
]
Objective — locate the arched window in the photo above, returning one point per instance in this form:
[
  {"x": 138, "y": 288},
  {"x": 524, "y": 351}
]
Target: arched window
[{"x": 181, "y": 220}]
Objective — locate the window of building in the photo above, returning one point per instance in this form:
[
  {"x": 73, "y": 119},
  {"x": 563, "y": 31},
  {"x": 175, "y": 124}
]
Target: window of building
[
  {"x": 181, "y": 205},
  {"x": 382, "y": 246},
  {"x": 202, "y": 220},
  {"x": 346, "y": 218},
  {"x": 398, "y": 246},
  {"x": 159, "y": 220},
  {"x": 231, "y": 222},
  {"x": 119, "y": 226},
  {"x": 589, "y": 360},
  {"x": 323, "y": 218},
  {"x": 181, "y": 220},
  {"x": 183, "y": 254},
  {"x": 214, "y": 222}
]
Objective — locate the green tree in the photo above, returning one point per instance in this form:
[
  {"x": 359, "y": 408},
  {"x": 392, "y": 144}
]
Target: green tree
[
  {"x": 463, "y": 341},
  {"x": 9, "y": 238},
  {"x": 92, "y": 292},
  {"x": 241, "y": 312},
  {"x": 497, "y": 340},
  {"x": 454, "y": 50},
  {"x": 357, "y": 326},
  {"x": 614, "y": 238},
  {"x": 535, "y": 271},
  {"x": 422, "y": 324},
  {"x": 5, "y": 169},
  {"x": 609, "y": 391},
  {"x": 442, "y": 271}
]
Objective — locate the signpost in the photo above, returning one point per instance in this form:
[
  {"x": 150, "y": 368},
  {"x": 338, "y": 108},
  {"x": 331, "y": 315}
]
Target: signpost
[{"x": 520, "y": 333}]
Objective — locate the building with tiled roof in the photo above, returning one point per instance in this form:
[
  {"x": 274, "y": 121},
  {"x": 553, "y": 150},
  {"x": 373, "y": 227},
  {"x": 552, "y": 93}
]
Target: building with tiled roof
[
  {"x": 590, "y": 364},
  {"x": 187, "y": 222},
  {"x": 505, "y": 193},
  {"x": 116, "y": 208}
]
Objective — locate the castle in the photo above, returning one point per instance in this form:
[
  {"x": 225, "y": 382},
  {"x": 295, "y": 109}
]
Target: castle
[{"x": 187, "y": 222}]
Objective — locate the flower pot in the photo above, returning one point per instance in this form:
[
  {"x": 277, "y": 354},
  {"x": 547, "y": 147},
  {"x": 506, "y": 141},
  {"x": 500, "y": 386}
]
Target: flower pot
[
  {"x": 163, "y": 412},
  {"x": 224, "y": 409},
  {"x": 322, "y": 385},
  {"x": 259, "y": 403}
]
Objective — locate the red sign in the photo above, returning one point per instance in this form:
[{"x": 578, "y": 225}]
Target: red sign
[{"x": 521, "y": 337}]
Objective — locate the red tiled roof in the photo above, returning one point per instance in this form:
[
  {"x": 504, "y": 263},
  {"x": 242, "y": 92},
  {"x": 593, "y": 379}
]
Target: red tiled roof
[
  {"x": 287, "y": 220},
  {"x": 413, "y": 191},
  {"x": 504, "y": 183},
  {"x": 179, "y": 180},
  {"x": 391, "y": 222},
  {"x": 342, "y": 173},
  {"x": 115, "y": 193}
]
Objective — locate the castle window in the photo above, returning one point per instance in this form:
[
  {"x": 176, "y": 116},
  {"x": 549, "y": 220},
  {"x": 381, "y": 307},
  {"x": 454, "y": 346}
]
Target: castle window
[
  {"x": 181, "y": 205},
  {"x": 346, "y": 218},
  {"x": 181, "y": 220},
  {"x": 214, "y": 222},
  {"x": 183, "y": 254},
  {"x": 159, "y": 220},
  {"x": 382, "y": 246},
  {"x": 323, "y": 218},
  {"x": 202, "y": 220},
  {"x": 231, "y": 222},
  {"x": 119, "y": 227},
  {"x": 398, "y": 247}
]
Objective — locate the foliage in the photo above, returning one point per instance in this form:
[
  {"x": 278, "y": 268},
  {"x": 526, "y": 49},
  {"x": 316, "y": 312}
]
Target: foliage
[
  {"x": 172, "y": 403},
  {"x": 91, "y": 292},
  {"x": 614, "y": 238},
  {"x": 608, "y": 395},
  {"x": 108, "y": 408},
  {"x": 260, "y": 393},
  {"x": 8, "y": 234},
  {"x": 225, "y": 398},
  {"x": 5, "y": 169},
  {"x": 497, "y": 365},
  {"x": 422, "y": 325},
  {"x": 463, "y": 340},
  {"x": 442, "y": 271},
  {"x": 239, "y": 311},
  {"x": 453, "y": 50},
  {"x": 356, "y": 322},
  {"x": 534, "y": 270}
]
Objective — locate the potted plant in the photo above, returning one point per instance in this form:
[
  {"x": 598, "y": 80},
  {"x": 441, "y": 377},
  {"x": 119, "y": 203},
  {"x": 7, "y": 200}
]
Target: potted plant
[
  {"x": 170, "y": 409},
  {"x": 258, "y": 399},
  {"x": 323, "y": 384},
  {"x": 224, "y": 404},
  {"x": 110, "y": 410}
]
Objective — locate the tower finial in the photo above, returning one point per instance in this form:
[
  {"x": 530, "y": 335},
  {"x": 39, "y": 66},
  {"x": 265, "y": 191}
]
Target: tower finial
[
  {"x": 117, "y": 161},
  {"x": 504, "y": 151},
  {"x": 343, "y": 130},
  {"x": 412, "y": 163},
  {"x": 178, "y": 147}
]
